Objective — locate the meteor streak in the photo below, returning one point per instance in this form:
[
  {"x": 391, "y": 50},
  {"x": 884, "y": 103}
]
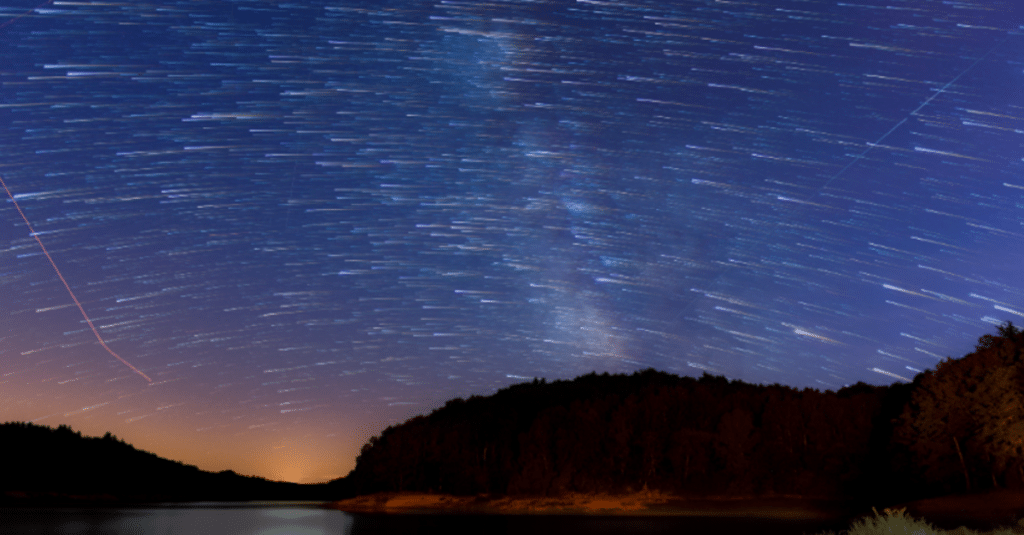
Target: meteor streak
[
  {"x": 25, "y": 13},
  {"x": 32, "y": 231}
]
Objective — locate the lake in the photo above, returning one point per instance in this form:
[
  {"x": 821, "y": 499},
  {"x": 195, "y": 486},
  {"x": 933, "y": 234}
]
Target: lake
[{"x": 305, "y": 518}]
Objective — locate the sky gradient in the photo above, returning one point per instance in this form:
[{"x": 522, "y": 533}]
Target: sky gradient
[{"x": 305, "y": 222}]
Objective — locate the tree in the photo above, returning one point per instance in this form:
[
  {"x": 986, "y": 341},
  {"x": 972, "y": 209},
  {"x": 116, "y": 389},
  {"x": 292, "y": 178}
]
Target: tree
[
  {"x": 1007, "y": 333},
  {"x": 689, "y": 453},
  {"x": 736, "y": 437},
  {"x": 935, "y": 422},
  {"x": 1000, "y": 422},
  {"x": 967, "y": 417}
]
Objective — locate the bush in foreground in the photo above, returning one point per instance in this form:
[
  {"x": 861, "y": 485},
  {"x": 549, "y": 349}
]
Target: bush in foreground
[{"x": 896, "y": 522}]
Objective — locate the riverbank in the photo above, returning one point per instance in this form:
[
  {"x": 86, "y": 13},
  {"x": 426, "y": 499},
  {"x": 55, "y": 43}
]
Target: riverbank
[
  {"x": 980, "y": 512},
  {"x": 645, "y": 503}
]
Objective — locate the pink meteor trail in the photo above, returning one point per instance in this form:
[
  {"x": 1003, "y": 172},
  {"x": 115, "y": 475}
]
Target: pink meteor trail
[
  {"x": 25, "y": 13},
  {"x": 72, "y": 294}
]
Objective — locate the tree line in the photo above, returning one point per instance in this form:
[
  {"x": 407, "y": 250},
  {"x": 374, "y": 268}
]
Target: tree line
[
  {"x": 959, "y": 427},
  {"x": 47, "y": 465}
]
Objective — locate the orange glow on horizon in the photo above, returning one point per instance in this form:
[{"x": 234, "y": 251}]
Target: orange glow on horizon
[{"x": 296, "y": 455}]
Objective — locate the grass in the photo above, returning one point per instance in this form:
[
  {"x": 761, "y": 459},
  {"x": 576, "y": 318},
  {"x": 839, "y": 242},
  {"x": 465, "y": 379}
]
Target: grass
[{"x": 896, "y": 522}]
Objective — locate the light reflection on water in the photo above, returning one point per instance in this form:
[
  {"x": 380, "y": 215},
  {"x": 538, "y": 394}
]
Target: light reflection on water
[
  {"x": 249, "y": 518},
  {"x": 306, "y": 518}
]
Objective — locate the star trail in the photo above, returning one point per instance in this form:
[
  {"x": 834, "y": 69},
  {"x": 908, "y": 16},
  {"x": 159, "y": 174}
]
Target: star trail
[{"x": 305, "y": 222}]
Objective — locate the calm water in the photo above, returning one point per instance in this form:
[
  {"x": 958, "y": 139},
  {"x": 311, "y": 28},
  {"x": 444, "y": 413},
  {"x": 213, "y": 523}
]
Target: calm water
[{"x": 297, "y": 518}]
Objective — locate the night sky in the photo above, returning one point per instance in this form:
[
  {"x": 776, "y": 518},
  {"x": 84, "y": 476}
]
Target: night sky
[{"x": 304, "y": 222}]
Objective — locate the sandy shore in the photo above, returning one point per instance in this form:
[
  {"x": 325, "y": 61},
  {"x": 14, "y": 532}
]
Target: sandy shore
[
  {"x": 639, "y": 503},
  {"x": 982, "y": 512}
]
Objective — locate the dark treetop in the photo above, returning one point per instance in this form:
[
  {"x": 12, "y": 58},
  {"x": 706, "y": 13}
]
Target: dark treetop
[{"x": 305, "y": 221}]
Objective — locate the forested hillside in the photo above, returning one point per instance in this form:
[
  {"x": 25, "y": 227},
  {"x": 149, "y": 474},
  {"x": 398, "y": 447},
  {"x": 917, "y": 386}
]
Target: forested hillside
[
  {"x": 957, "y": 428},
  {"x": 48, "y": 464}
]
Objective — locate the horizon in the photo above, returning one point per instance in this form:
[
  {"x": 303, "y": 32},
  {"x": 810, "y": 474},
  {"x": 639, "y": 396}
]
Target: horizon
[
  {"x": 272, "y": 231},
  {"x": 311, "y": 482},
  {"x": 542, "y": 381}
]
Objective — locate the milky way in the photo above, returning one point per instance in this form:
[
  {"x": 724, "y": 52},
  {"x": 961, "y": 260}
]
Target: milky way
[{"x": 308, "y": 221}]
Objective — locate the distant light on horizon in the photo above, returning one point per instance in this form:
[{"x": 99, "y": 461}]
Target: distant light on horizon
[{"x": 307, "y": 225}]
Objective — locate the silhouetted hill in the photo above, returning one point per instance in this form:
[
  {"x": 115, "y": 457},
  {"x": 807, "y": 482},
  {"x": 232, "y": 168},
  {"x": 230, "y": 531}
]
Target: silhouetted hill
[
  {"x": 710, "y": 436},
  {"x": 49, "y": 465}
]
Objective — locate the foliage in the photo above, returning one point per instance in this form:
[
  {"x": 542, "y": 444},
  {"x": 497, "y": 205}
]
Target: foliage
[
  {"x": 893, "y": 522},
  {"x": 59, "y": 462},
  {"x": 897, "y": 522},
  {"x": 964, "y": 425},
  {"x": 609, "y": 433},
  {"x": 958, "y": 425}
]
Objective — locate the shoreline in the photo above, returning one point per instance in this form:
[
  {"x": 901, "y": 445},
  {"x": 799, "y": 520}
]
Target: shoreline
[
  {"x": 987, "y": 510},
  {"x": 983, "y": 512},
  {"x": 630, "y": 504}
]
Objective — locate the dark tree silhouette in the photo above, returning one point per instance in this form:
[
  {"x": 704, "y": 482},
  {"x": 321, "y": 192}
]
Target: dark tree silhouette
[
  {"x": 967, "y": 416},
  {"x": 602, "y": 433},
  {"x": 958, "y": 427},
  {"x": 52, "y": 465}
]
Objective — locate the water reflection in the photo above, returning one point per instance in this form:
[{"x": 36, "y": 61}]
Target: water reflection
[
  {"x": 306, "y": 518},
  {"x": 603, "y": 525},
  {"x": 250, "y": 518}
]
